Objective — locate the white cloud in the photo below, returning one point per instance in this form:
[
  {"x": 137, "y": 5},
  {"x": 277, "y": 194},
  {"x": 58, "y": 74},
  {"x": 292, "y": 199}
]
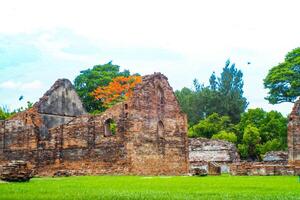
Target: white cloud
[
  {"x": 9, "y": 85},
  {"x": 205, "y": 33},
  {"x": 36, "y": 84}
]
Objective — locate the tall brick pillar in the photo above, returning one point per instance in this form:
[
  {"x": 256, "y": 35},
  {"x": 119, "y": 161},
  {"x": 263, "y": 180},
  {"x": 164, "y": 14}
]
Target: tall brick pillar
[{"x": 294, "y": 134}]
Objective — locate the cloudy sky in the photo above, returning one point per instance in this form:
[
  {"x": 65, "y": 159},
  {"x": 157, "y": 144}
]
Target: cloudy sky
[{"x": 41, "y": 41}]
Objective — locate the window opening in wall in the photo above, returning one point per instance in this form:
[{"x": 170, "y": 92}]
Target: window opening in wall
[
  {"x": 110, "y": 127},
  {"x": 126, "y": 106}
]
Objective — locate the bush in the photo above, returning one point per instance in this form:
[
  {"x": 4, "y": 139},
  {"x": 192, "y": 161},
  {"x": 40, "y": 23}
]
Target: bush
[{"x": 228, "y": 136}]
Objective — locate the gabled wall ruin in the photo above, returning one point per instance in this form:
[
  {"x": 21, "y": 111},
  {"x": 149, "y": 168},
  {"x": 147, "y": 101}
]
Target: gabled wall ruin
[
  {"x": 294, "y": 134},
  {"x": 57, "y": 134}
]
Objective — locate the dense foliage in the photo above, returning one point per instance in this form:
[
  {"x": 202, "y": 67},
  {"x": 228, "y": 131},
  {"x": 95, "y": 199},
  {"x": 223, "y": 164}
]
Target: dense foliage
[
  {"x": 89, "y": 80},
  {"x": 283, "y": 80},
  {"x": 272, "y": 130},
  {"x": 223, "y": 95},
  {"x": 210, "y": 126},
  {"x": 257, "y": 132},
  {"x": 224, "y": 135},
  {"x": 119, "y": 89},
  {"x": 250, "y": 142}
]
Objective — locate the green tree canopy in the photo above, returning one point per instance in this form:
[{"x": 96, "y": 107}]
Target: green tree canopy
[
  {"x": 224, "y": 135},
  {"x": 213, "y": 124},
  {"x": 271, "y": 125},
  {"x": 283, "y": 80},
  {"x": 250, "y": 143},
  {"x": 223, "y": 95},
  {"x": 230, "y": 87},
  {"x": 88, "y": 80}
]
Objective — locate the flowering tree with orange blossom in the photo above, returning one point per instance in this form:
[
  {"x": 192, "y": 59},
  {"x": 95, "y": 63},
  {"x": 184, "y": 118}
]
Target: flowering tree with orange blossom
[{"x": 120, "y": 89}]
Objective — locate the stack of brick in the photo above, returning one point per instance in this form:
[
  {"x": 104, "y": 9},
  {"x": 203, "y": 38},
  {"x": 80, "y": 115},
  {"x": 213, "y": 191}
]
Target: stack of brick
[
  {"x": 16, "y": 171},
  {"x": 261, "y": 169}
]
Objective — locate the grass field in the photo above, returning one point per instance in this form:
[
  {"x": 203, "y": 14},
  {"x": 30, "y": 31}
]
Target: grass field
[{"x": 135, "y": 187}]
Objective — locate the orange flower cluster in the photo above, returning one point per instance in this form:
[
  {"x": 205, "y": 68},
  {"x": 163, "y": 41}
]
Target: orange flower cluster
[{"x": 121, "y": 88}]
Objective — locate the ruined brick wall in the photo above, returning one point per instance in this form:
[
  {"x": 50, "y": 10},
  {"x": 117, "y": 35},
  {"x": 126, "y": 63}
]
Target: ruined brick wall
[
  {"x": 262, "y": 169},
  {"x": 150, "y": 135},
  {"x": 156, "y": 129},
  {"x": 294, "y": 134}
]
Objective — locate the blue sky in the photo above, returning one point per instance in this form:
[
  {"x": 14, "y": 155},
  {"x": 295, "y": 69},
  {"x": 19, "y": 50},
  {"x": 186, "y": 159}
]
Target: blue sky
[{"x": 43, "y": 41}]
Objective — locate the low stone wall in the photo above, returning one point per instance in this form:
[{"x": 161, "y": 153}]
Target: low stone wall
[{"x": 262, "y": 169}]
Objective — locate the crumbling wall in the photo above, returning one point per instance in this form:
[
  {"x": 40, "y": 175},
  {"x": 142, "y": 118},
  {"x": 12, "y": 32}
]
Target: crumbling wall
[
  {"x": 262, "y": 169},
  {"x": 150, "y": 135},
  {"x": 203, "y": 150},
  {"x": 156, "y": 129},
  {"x": 294, "y": 134}
]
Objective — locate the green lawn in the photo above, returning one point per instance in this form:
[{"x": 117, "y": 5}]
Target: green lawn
[{"x": 136, "y": 187}]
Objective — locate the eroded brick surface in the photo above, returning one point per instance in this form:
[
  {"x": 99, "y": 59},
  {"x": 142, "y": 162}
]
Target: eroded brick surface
[
  {"x": 262, "y": 169},
  {"x": 294, "y": 135},
  {"x": 150, "y": 138}
]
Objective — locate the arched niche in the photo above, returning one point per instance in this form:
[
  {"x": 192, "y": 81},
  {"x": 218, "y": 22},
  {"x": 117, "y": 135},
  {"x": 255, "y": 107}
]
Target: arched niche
[
  {"x": 160, "y": 129},
  {"x": 110, "y": 127}
]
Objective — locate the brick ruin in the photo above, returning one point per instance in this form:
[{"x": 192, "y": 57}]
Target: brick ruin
[
  {"x": 57, "y": 134},
  {"x": 294, "y": 134}
]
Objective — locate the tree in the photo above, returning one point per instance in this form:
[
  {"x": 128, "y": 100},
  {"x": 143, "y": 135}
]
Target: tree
[
  {"x": 283, "y": 80},
  {"x": 213, "y": 82},
  {"x": 224, "y": 135},
  {"x": 271, "y": 125},
  {"x": 250, "y": 143},
  {"x": 271, "y": 145},
  {"x": 213, "y": 124},
  {"x": 88, "y": 80},
  {"x": 230, "y": 89},
  {"x": 121, "y": 88},
  {"x": 224, "y": 95},
  {"x": 190, "y": 104}
]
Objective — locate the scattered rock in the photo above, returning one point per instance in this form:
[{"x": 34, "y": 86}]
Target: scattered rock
[
  {"x": 199, "y": 172},
  {"x": 275, "y": 156},
  {"x": 16, "y": 171},
  {"x": 61, "y": 173}
]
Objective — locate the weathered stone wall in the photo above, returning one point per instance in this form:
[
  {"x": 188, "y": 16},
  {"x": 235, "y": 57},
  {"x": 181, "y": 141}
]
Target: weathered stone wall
[
  {"x": 294, "y": 134},
  {"x": 156, "y": 129},
  {"x": 150, "y": 135},
  {"x": 262, "y": 169},
  {"x": 203, "y": 150},
  {"x": 276, "y": 156},
  {"x": 60, "y": 104}
]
